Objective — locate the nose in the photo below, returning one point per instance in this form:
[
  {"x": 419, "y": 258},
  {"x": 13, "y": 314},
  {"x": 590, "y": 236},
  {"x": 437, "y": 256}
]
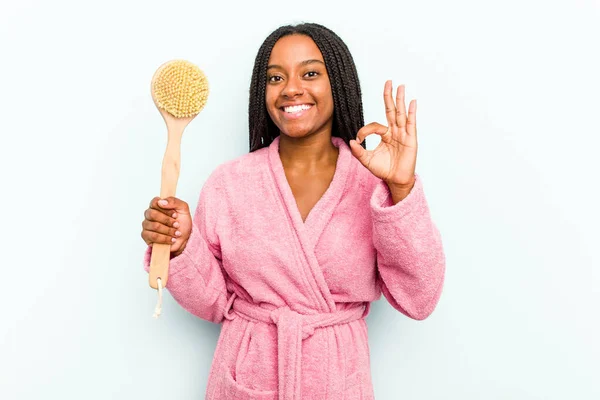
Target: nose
[{"x": 293, "y": 87}]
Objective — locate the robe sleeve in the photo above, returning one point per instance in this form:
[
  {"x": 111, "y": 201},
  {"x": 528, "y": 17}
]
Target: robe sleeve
[
  {"x": 196, "y": 279},
  {"x": 410, "y": 257}
]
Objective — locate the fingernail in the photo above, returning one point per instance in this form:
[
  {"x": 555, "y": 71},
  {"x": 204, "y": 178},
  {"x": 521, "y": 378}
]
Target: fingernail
[
  {"x": 174, "y": 215},
  {"x": 163, "y": 202},
  {"x": 177, "y": 233},
  {"x": 176, "y": 225},
  {"x": 173, "y": 240}
]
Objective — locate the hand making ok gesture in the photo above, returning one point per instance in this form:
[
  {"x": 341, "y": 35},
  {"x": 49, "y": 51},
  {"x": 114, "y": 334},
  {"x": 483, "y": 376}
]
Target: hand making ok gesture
[{"x": 395, "y": 158}]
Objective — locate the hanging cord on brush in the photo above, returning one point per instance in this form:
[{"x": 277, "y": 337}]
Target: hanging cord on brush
[{"x": 158, "y": 308}]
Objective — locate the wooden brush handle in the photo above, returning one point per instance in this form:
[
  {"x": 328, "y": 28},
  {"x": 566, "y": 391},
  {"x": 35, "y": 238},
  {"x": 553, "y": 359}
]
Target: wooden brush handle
[{"x": 161, "y": 253}]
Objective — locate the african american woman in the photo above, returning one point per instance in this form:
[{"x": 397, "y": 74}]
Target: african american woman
[{"x": 291, "y": 242}]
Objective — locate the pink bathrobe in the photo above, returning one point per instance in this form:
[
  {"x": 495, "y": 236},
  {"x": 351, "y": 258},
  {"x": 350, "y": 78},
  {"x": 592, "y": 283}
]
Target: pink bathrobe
[{"x": 292, "y": 295}]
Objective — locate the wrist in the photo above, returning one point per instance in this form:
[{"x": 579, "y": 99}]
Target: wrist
[{"x": 399, "y": 191}]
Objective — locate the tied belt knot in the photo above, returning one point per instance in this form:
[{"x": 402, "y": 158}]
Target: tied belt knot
[{"x": 292, "y": 329}]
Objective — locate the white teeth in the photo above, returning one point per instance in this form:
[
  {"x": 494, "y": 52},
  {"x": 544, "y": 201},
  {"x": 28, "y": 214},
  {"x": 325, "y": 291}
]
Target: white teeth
[{"x": 295, "y": 109}]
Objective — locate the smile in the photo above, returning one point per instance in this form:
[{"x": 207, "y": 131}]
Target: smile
[{"x": 297, "y": 111}]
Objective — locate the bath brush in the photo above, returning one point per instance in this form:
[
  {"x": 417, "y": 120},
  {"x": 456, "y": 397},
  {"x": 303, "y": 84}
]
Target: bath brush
[{"x": 179, "y": 91}]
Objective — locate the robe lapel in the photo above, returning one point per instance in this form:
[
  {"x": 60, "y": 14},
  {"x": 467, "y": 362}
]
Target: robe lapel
[{"x": 309, "y": 231}]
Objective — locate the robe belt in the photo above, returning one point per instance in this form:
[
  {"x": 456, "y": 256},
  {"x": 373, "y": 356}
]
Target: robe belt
[{"x": 292, "y": 329}]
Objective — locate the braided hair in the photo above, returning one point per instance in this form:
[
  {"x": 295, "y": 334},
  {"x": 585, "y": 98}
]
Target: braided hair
[{"x": 345, "y": 87}]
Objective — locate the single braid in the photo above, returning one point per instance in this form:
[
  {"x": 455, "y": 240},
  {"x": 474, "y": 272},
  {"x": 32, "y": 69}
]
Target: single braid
[{"x": 341, "y": 84}]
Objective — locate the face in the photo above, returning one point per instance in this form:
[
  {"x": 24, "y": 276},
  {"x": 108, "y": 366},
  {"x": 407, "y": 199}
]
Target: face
[{"x": 298, "y": 93}]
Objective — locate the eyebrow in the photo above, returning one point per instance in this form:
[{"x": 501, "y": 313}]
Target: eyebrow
[{"x": 302, "y": 64}]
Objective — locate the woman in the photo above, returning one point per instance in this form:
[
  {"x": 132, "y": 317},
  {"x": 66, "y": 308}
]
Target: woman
[{"x": 291, "y": 242}]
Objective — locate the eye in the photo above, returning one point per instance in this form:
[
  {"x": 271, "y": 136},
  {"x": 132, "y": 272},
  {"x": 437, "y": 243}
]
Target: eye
[
  {"x": 311, "y": 74},
  {"x": 274, "y": 78}
]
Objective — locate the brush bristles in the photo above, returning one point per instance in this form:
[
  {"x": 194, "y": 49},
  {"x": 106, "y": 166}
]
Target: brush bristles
[{"x": 180, "y": 88}]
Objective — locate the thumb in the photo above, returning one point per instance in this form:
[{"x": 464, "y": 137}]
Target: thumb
[
  {"x": 359, "y": 152},
  {"x": 173, "y": 203}
]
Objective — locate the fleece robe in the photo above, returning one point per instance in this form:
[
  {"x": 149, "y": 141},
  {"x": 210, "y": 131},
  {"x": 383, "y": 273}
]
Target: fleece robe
[{"x": 292, "y": 295}]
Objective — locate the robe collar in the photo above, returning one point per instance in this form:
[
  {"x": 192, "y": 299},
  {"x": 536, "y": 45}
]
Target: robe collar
[
  {"x": 309, "y": 231},
  {"x": 323, "y": 210}
]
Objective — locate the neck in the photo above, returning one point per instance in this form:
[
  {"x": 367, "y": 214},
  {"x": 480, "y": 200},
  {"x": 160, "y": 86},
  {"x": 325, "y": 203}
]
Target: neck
[{"x": 313, "y": 153}]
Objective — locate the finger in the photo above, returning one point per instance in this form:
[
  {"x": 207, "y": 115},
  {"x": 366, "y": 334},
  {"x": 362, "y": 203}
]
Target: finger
[
  {"x": 400, "y": 107},
  {"x": 364, "y": 156},
  {"x": 169, "y": 206},
  {"x": 168, "y": 203},
  {"x": 173, "y": 203},
  {"x": 159, "y": 216},
  {"x": 390, "y": 108},
  {"x": 369, "y": 129},
  {"x": 153, "y": 202},
  {"x": 154, "y": 206},
  {"x": 157, "y": 227},
  {"x": 178, "y": 246},
  {"x": 155, "y": 237},
  {"x": 411, "y": 125}
]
